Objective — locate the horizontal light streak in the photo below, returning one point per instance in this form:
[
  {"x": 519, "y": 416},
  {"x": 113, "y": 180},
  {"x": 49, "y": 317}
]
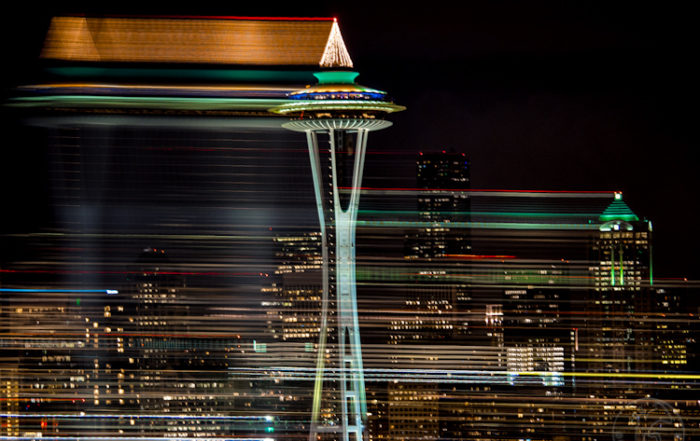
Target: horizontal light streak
[
  {"x": 459, "y": 214},
  {"x": 138, "y": 416},
  {"x": 451, "y": 375},
  {"x": 48, "y": 290},
  {"x": 127, "y": 438},
  {"x": 164, "y": 273},
  {"x": 141, "y": 102},
  {"x": 480, "y": 225},
  {"x": 223, "y": 17},
  {"x": 145, "y": 236},
  {"x": 96, "y": 89},
  {"x": 178, "y": 74},
  {"x": 487, "y": 192}
]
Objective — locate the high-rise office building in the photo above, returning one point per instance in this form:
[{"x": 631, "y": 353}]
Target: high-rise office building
[
  {"x": 429, "y": 301},
  {"x": 622, "y": 279},
  {"x": 439, "y": 177},
  {"x": 612, "y": 337}
]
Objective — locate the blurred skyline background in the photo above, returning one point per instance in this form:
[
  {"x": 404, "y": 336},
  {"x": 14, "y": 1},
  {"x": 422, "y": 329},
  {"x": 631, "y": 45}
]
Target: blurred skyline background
[{"x": 539, "y": 95}]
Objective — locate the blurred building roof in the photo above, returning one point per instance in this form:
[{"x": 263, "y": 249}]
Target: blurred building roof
[{"x": 202, "y": 40}]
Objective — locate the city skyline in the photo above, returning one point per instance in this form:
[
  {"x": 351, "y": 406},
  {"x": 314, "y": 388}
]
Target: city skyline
[{"x": 172, "y": 262}]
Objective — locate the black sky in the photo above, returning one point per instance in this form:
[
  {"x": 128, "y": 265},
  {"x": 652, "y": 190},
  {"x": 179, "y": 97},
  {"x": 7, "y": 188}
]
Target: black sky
[{"x": 540, "y": 95}]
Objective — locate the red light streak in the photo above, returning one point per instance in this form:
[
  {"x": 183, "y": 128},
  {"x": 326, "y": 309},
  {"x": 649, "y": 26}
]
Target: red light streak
[
  {"x": 208, "y": 17},
  {"x": 172, "y": 273},
  {"x": 494, "y": 190},
  {"x": 478, "y": 256}
]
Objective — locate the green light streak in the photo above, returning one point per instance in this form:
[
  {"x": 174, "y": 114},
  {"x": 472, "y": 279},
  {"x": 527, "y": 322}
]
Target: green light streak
[
  {"x": 651, "y": 257},
  {"x": 651, "y": 266},
  {"x": 622, "y": 278},
  {"x": 485, "y": 276},
  {"x": 263, "y": 76},
  {"x": 480, "y": 213},
  {"x": 146, "y": 236},
  {"x": 179, "y": 103},
  {"x": 479, "y": 225},
  {"x": 612, "y": 265}
]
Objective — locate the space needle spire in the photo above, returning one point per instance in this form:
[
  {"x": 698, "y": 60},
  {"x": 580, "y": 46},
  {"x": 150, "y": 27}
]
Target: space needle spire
[{"x": 337, "y": 115}]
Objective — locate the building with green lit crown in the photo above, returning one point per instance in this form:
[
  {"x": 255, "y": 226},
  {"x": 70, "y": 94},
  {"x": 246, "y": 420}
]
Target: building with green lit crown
[
  {"x": 624, "y": 249},
  {"x": 612, "y": 338},
  {"x": 621, "y": 267}
]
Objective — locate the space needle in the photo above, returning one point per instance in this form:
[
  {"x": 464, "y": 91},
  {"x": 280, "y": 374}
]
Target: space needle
[{"x": 337, "y": 115}]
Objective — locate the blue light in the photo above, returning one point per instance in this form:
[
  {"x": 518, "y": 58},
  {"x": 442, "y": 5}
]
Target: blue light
[
  {"x": 107, "y": 291},
  {"x": 338, "y": 96}
]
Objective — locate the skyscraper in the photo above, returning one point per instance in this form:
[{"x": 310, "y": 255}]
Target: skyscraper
[
  {"x": 622, "y": 279},
  {"x": 429, "y": 301},
  {"x": 439, "y": 176},
  {"x": 612, "y": 337},
  {"x": 443, "y": 181}
]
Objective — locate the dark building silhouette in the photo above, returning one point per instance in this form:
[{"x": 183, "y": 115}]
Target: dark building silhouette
[{"x": 438, "y": 176}]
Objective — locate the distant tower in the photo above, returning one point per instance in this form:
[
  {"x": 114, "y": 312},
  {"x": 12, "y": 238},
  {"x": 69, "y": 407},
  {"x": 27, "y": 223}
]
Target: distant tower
[{"x": 337, "y": 115}]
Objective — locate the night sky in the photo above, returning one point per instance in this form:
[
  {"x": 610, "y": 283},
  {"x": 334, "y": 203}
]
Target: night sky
[{"x": 539, "y": 95}]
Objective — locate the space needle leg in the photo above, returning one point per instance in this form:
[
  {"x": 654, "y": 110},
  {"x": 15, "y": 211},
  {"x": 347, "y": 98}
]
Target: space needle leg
[
  {"x": 312, "y": 141},
  {"x": 350, "y": 353}
]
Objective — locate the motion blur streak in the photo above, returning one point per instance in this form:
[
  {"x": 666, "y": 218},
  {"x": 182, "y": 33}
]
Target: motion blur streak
[
  {"x": 166, "y": 280},
  {"x": 187, "y": 40}
]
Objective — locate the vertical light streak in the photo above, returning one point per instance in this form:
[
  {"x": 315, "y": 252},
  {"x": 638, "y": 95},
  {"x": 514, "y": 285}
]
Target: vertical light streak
[
  {"x": 612, "y": 264},
  {"x": 622, "y": 277}
]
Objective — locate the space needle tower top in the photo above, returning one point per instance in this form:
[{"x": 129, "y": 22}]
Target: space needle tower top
[
  {"x": 336, "y": 96},
  {"x": 337, "y": 102}
]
